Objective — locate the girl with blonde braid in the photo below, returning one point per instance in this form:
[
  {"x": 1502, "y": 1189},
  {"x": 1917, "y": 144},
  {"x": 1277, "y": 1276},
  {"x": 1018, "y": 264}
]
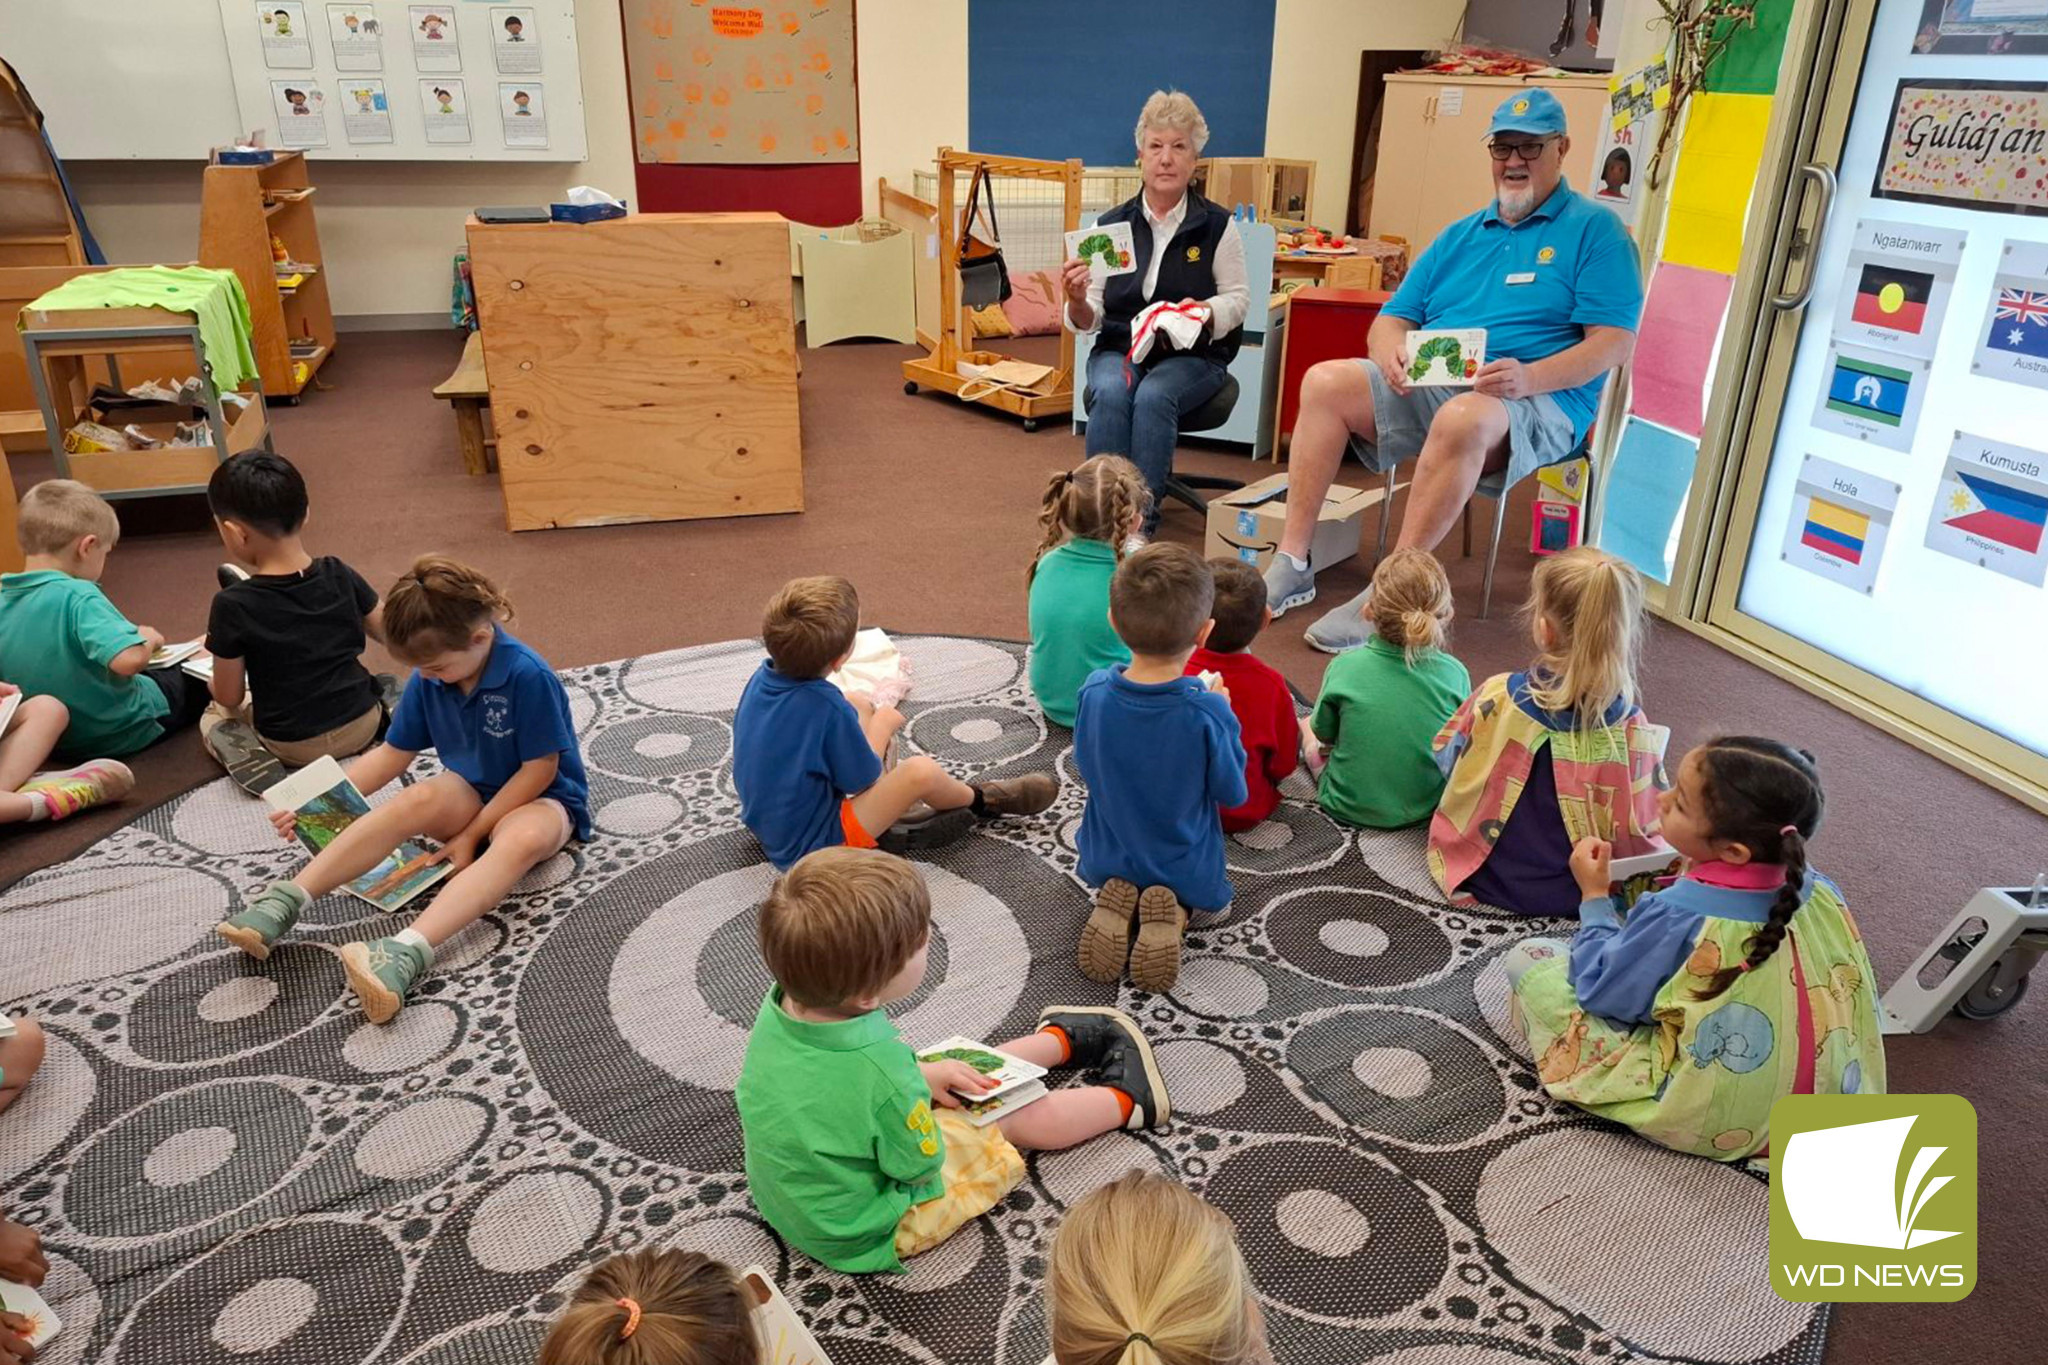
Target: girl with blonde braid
[
  {"x": 656, "y": 1308},
  {"x": 1089, "y": 515},
  {"x": 1744, "y": 981}
]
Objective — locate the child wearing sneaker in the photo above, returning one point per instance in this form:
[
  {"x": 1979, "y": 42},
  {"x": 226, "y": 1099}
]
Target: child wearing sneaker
[
  {"x": 287, "y": 635},
  {"x": 1382, "y": 705},
  {"x": 30, "y": 734},
  {"x": 512, "y": 794},
  {"x": 807, "y": 759},
  {"x": 844, "y": 1156},
  {"x": 62, "y": 638},
  {"x": 1089, "y": 515},
  {"x": 1259, "y": 696},
  {"x": 1161, "y": 755}
]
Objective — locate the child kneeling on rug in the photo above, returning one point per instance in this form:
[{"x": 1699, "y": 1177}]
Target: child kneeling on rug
[
  {"x": 844, "y": 1156},
  {"x": 1161, "y": 755},
  {"x": 652, "y": 1307},
  {"x": 807, "y": 759},
  {"x": 1686, "y": 1022},
  {"x": 513, "y": 792},
  {"x": 1143, "y": 1262}
]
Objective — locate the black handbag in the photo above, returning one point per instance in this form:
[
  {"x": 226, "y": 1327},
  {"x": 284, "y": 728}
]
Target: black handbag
[{"x": 984, "y": 279}]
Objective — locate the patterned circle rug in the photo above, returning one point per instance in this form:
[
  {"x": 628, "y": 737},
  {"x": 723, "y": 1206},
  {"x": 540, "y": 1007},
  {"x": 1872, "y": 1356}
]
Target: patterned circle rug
[{"x": 228, "y": 1164}]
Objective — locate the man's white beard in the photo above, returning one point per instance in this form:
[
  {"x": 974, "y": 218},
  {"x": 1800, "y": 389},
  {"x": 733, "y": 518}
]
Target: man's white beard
[{"x": 1515, "y": 204}]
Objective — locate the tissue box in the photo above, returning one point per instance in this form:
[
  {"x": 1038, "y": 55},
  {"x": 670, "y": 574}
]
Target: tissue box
[
  {"x": 1246, "y": 524},
  {"x": 586, "y": 213}
]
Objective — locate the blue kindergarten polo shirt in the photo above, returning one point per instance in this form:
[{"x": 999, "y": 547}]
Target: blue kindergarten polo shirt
[
  {"x": 517, "y": 712},
  {"x": 1535, "y": 286}
]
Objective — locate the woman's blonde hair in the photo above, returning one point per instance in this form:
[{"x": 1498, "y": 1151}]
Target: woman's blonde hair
[
  {"x": 1594, "y": 602},
  {"x": 1096, "y": 501},
  {"x": 437, "y": 606},
  {"x": 656, "y": 1308},
  {"x": 1142, "y": 1272},
  {"x": 1411, "y": 602},
  {"x": 1172, "y": 109}
]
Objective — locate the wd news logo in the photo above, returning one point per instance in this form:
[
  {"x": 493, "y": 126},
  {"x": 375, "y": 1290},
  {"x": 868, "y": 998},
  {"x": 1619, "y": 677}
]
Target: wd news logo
[{"x": 1873, "y": 1198}]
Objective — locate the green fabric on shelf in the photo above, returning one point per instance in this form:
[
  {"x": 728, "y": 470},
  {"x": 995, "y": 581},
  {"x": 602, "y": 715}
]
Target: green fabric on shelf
[
  {"x": 1749, "y": 65},
  {"x": 213, "y": 297}
]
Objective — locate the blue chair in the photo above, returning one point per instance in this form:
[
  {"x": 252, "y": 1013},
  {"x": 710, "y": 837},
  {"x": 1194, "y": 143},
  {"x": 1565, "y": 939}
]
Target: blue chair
[{"x": 1211, "y": 415}]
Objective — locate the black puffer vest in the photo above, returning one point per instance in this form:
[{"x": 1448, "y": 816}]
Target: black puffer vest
[{"x": 1188, "y": 272}]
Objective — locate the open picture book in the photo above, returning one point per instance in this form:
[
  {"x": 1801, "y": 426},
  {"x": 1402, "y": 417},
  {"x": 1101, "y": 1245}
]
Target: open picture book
[
  {"x": 784, "y": 1338},
  {"x": 1444, "y": 357},
  {"x": 1018, "y": 1082},
  {"x": 325, "y": 803},
  {"x": 192, "y": 655}
]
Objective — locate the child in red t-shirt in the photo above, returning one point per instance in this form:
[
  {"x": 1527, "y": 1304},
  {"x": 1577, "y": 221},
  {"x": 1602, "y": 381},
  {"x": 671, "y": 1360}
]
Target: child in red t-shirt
[{"x": 1258, "y": 694}]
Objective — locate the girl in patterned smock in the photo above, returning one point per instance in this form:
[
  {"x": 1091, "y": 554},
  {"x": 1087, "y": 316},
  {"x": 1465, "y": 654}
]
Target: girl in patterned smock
[{"x": 1685, "y": 1021}]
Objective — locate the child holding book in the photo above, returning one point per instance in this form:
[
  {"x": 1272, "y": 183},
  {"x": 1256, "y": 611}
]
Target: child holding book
[
  {"x": 1742, "y": 982},
  {"x": 1382, "y": 705},
  {"x": 61, "y": 637},
  {"x": 1089, "y": 515},
  {"x": 1259, "y": 696},
  {"x": 655, "y": 1307},
  {"x": 1541, "y": 759},
  {"x": 1161, "y": 755},
  {"x": 844, "y": 1156},
  {"x": 807, "y": 759},
  {"x": 287, "y": 629},
  {"x": 1143, "y": 1272},
  {"x": 26, "y": 739},
  {"x": 513, "y": 792}
]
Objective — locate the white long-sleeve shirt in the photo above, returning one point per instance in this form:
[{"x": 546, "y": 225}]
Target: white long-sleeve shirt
[{"x": 1232, "y": 299}]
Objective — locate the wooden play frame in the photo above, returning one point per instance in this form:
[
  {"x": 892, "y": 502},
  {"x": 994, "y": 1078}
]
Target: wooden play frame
[{"x": 939, "y": 369}]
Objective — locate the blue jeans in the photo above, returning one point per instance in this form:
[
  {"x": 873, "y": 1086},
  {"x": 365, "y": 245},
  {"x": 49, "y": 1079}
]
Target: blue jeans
[{"x": 1139, "y": 417}]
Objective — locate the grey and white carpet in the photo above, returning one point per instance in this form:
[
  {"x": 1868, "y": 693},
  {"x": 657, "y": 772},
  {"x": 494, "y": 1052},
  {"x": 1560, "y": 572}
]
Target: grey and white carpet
[{"x": 228, "y": 1165}]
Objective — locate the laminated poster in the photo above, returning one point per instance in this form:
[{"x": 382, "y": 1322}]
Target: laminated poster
[
  {"x": 1991, "y": 509},
  {"x": 300, "y": 107},
  {"x": 446, "y": 108},
  {"x": 434, "y": 47},
  {"x": 515, "y": 41},
  {"x": 1871, "y": 396},
  {"x": 2012, "y": 341},
  {"x": 1446, "y": 357},
  {"x": 357, "y": 36},
  {"x": 523, "y": 109},
  {"x": 287, "y": 42},
  {"x": 1898, "y": 284},
  {"x": 1108, "y": 248},
  {"x": 1984, "y": 28},
  {"x": 365, "y": 112},
  {"x": 1969, "y": 144},
  {"x": 1840, "y": 518}
]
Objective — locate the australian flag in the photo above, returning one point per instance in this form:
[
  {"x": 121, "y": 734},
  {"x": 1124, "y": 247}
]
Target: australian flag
[{"x": 2020, "y": 323}]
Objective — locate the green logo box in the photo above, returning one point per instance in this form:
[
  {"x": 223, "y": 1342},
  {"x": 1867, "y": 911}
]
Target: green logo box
[{"x": 1873, "y": 1198}]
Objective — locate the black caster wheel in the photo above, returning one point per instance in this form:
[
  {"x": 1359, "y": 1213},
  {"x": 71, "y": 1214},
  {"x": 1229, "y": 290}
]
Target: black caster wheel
[
  {"x": 1030, "y": 424},
  {"x": 910, "y": 386},
  {"x": 1989, "y": 998}
]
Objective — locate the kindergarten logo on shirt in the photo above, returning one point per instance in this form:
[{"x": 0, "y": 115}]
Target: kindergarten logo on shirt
[
  {"x": 1873, "y": 1198},
  {"x": 497, "y": 717}
]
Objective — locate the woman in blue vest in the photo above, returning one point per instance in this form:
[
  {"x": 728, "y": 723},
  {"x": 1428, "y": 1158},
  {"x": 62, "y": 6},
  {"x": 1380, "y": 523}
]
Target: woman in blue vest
[{"x": 1187, "y": 251}]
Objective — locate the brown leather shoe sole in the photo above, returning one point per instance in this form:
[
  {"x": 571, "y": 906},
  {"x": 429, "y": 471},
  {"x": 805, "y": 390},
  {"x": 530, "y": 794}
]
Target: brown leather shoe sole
[
  {"x": 1106, "y": 937},
  {"x": 1155, "y": 954}
]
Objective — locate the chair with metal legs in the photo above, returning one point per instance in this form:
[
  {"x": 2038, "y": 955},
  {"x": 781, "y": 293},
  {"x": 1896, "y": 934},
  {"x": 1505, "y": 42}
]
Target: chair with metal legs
[{"x": 1211, "y": 415}]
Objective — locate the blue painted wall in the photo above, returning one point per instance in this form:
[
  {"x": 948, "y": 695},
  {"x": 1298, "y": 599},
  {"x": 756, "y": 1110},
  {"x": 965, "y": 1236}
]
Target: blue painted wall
[{"x": 1061, "y": 78}]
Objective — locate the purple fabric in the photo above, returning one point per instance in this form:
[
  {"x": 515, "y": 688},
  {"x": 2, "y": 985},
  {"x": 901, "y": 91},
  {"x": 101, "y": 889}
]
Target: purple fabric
[{"x": 1529, "y": 871}]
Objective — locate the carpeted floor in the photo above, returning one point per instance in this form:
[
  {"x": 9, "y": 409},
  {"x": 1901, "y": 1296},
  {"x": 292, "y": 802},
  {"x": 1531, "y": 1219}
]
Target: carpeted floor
[
  {"x": 930, "y": 509},
  {"x": 226, "y": 1161}
]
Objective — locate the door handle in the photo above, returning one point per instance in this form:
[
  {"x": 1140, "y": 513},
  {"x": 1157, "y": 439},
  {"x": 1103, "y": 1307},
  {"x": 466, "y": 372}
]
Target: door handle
[{"x": 1824, "y": 177}]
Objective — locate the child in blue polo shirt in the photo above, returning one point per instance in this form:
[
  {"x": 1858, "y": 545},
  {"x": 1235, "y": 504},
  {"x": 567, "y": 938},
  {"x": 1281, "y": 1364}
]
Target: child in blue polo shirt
[{"x": 513, "y": 793}]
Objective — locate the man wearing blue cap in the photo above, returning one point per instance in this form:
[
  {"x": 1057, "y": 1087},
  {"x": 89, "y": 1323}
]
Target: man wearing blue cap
[{"x": 1554, "y": 280}]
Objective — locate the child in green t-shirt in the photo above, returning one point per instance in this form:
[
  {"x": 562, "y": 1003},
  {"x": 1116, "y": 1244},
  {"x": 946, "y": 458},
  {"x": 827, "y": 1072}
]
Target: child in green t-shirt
[
  {"x": 1382, "y": 705},
  {"x": 844, "y": 1156},
  {"x": 1089, "y": 514}
]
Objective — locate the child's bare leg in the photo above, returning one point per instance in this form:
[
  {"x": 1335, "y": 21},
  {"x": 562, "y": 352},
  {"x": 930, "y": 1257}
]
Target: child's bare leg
[
  {"x": 1064, "y": 1118},
  {"x": 1039, "y": 1049},
  {"x": 38, "y": 723},
  {"x": 19, "y": 1058},
  {"x": 909, "y": 782},
  {"x": 523, "y": 839},
  {"x": 440, "y": 808}
]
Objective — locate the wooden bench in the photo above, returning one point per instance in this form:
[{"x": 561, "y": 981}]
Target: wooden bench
[{"x": 467, "y": 393}]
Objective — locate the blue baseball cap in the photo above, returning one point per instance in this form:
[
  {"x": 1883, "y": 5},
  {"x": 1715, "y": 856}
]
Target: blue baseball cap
[{"x": 1534, "y": 111}]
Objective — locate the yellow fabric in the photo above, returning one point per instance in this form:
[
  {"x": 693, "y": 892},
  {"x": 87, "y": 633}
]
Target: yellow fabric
[
  {"x": 990, "y": 321},
  {"x": 1718, "y": 159},
  {"x": 981, "y": 1167}
]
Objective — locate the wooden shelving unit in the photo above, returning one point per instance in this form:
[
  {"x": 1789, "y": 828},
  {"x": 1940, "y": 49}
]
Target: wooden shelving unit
[{"x": 239, "y": 211}]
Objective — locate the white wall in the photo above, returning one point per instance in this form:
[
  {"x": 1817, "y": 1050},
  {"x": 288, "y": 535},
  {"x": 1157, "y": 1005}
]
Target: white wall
[
  {"x": 912, "y": 58},
  {"x": 1313, "y": 108},
  {"x": 387, "y": 228}
]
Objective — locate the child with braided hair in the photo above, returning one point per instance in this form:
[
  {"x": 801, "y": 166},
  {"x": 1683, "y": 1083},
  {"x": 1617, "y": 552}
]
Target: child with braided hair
[
  {"x": 1743, "y": 981},
  {"x": 1089, "y": 514},
  {"x": 656, "y": 1308}
]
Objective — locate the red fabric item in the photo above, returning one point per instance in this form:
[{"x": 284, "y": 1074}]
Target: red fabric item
[
  {"x": 1272, "y": 734},
  {"x": 827, "y": 195},
  {"x": 1802, "y": 1074}
]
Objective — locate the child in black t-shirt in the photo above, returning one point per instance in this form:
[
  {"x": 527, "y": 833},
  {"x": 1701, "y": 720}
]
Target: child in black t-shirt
[{"x": 288, "y": 681}]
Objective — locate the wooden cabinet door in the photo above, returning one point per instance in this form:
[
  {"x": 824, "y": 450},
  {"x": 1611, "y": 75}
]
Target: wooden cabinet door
[{"x": 1401, "y": 173}]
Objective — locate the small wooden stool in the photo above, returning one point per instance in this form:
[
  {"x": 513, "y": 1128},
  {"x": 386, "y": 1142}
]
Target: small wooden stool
[{"x": 466, "y": 392}]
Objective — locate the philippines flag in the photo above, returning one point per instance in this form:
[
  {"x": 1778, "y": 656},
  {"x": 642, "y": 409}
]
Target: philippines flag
[
  {"x": 2020, "y": 323},
  {"x": 1887, "y": 296},
  {"x": 1997, "y": 511}
]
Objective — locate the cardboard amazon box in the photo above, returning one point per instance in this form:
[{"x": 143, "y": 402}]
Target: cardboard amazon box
[{"x": 1247, "y": 523}]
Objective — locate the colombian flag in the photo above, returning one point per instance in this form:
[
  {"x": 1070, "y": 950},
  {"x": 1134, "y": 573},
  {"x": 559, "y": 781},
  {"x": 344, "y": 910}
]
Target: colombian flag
[
  {"x": 1835, "y": 530},
  {"x": 1888, "y": 296},
  {"x": 1997, "y": 511}
]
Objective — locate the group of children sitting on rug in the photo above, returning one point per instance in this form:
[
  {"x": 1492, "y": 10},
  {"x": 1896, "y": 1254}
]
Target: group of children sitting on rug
[{"x": 1683, "y": 1016}]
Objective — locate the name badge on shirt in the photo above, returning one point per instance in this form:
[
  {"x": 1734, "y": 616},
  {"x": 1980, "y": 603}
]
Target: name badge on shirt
[{"x": 1522, "y": 277}]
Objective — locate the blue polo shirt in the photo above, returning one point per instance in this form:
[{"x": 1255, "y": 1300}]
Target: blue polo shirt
[
  {"x": 1572, "y": 266},
  {"x": 798, "y": 750},
  {"x": 517, "y": 712}
]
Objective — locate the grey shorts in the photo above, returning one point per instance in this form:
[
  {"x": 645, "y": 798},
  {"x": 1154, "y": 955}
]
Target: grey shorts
[{"x": 1539, "y": 432}]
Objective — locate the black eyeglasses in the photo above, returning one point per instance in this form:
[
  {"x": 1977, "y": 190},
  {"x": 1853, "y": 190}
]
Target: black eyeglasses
[{"x": 1523, "y": 151}]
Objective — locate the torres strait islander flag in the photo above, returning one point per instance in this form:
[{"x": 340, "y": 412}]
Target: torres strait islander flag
[
  {"x": 1888, "y": 296},
  {"x": 1867, "y": 389},
  {"x": 1983, "y": 506}
]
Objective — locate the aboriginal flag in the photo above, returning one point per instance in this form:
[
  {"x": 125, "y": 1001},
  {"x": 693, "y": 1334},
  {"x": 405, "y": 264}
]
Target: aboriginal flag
[{"x": 1887, "y": 296}]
